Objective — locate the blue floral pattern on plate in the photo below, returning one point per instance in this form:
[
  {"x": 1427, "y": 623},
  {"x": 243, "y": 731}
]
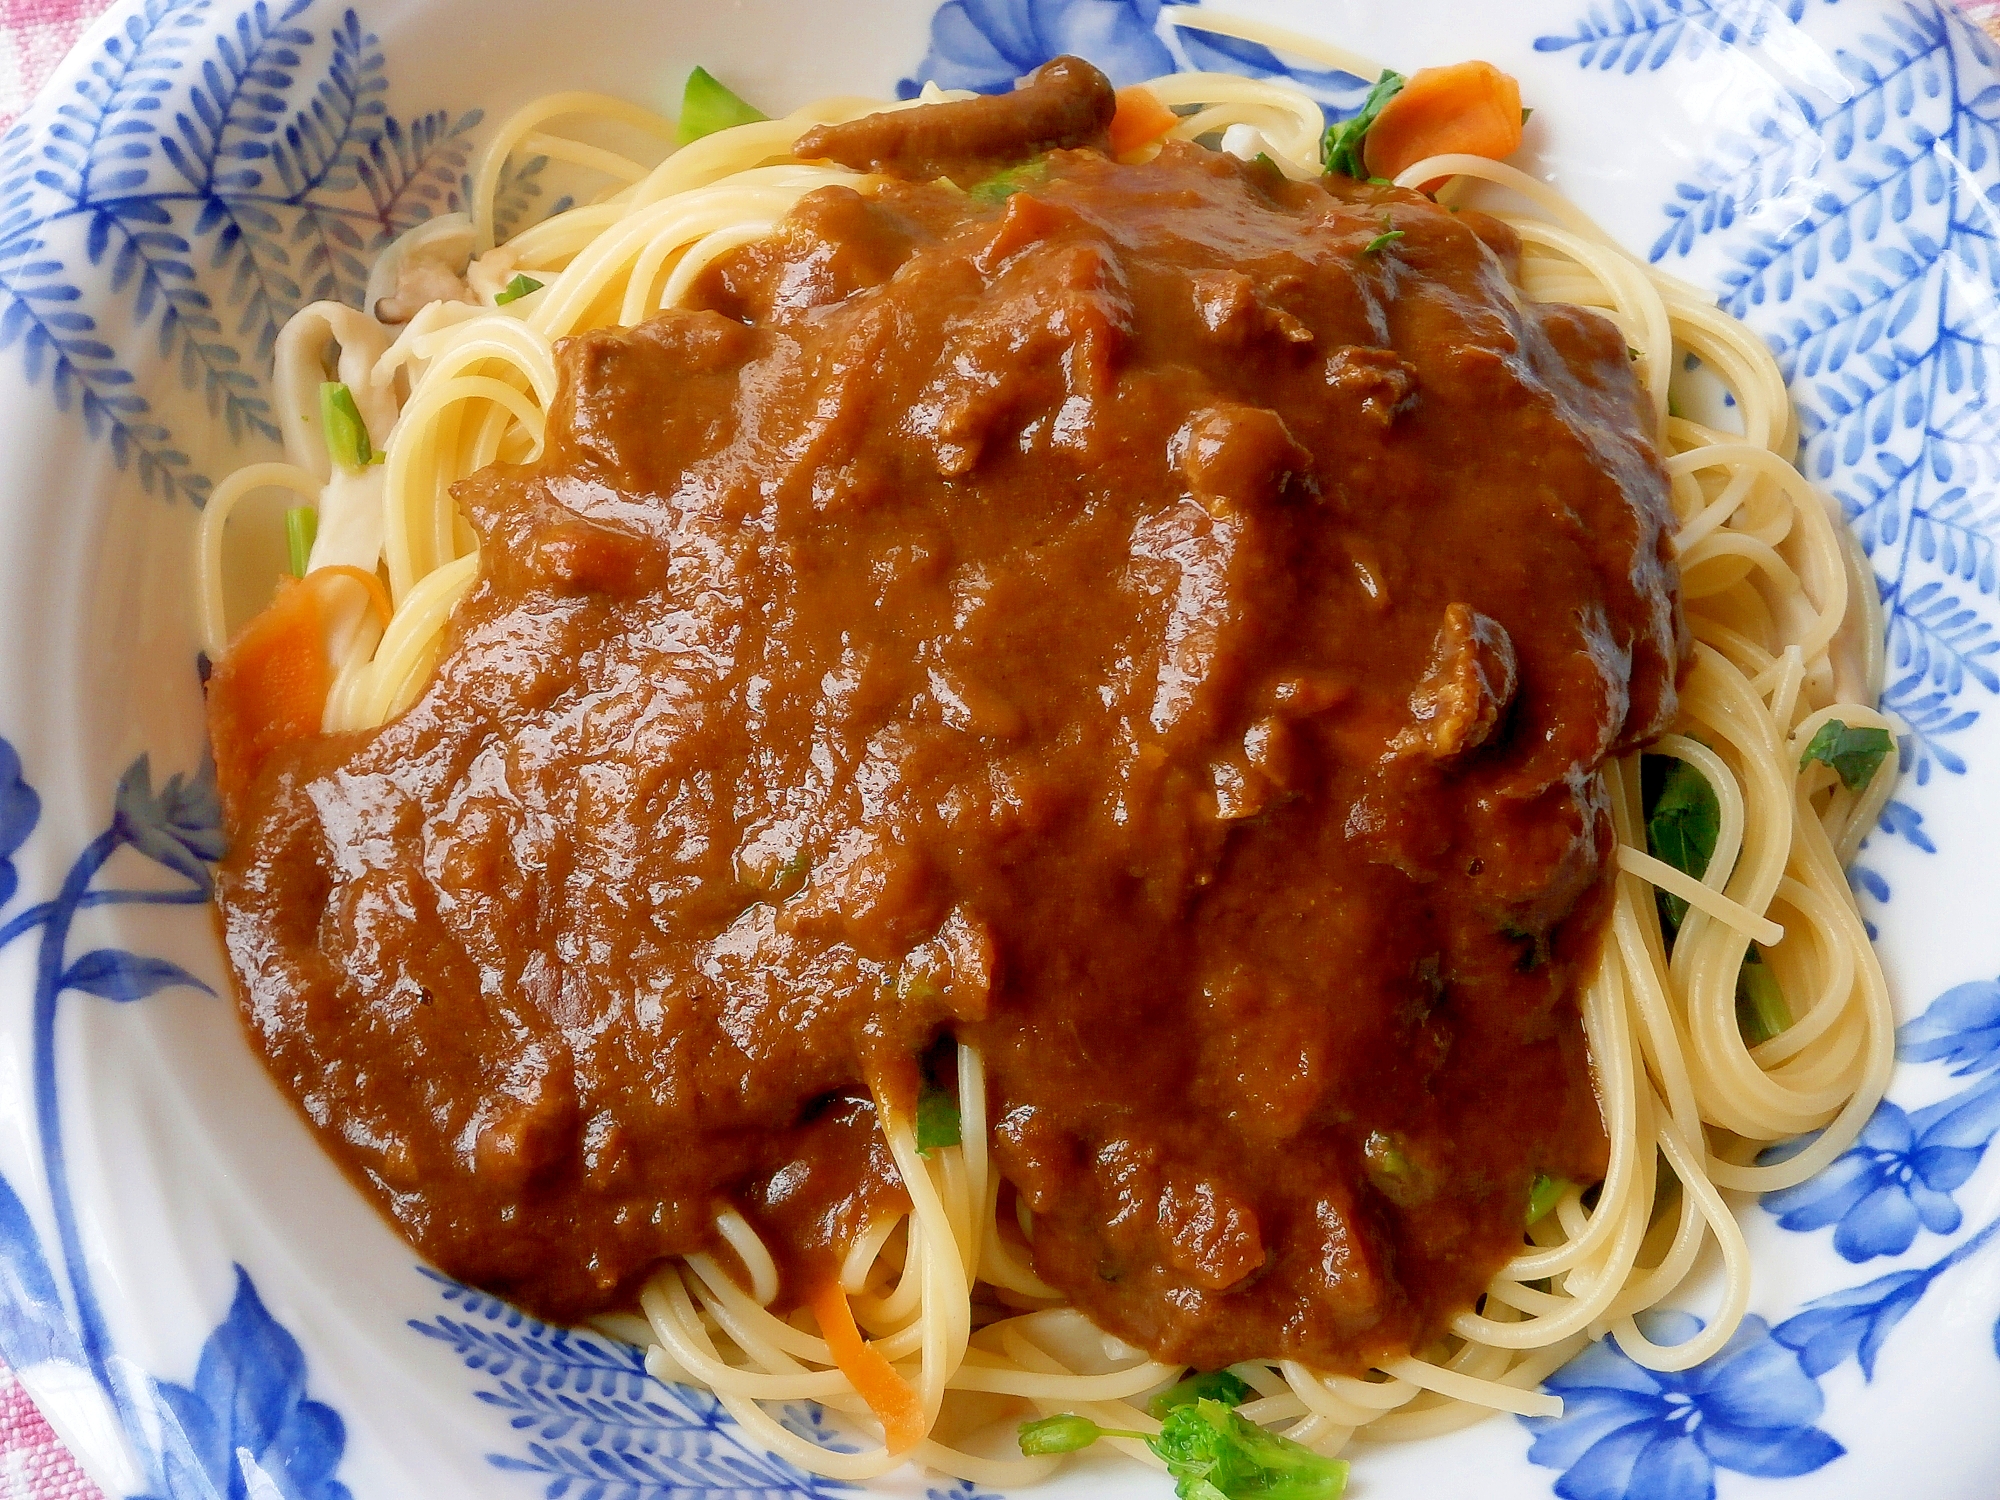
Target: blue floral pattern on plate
[
  {"x": 246, "y": 1425},
  {"x": 284, "y": 180},
  {"x": 1887, "y": 351},
  {"x": 1627, "y": 1431},
  {"x": 985, "y": 45},
  {"x": 597, "y": 1425}
]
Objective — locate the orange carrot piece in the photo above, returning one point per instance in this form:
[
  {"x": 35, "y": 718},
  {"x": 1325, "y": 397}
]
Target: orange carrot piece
[
  {"x": 1469, "y": 107},
  {"x": 268, "y": 690},
  {"x": 1140, "y": 120},
  {"x": 892, "y": 1398}
]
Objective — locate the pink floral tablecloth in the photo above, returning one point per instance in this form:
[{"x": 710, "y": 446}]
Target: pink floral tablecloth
[{"x": 34, "y": 35}]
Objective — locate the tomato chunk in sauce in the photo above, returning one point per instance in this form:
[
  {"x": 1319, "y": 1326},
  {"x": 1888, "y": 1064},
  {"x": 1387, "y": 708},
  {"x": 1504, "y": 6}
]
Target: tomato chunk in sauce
[{"x": 1145, "y": 625}]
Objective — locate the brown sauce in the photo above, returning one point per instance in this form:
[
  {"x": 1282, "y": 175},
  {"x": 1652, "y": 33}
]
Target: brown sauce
[{"x": 1133, "y": 627}]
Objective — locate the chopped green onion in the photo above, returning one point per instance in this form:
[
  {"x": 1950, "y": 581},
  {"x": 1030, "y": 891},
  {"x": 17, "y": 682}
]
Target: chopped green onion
[
  {"x": 301, "y": 528},
  {"x": 1003, "y": 184},
  {"x": 515, "y": 290},
  {"x": 1214, "y": 1454},
  {"x": 1376, "y": 245},
  {"x": 1340, "y": 148},
  {"x": 1544, "y": 1195},
  {"x": 1681, "y": 828},
  {"x": 1209, "y": 1385},
  {"x": 706, "y": 107},
  {"x": 1065, "y": 1432},
  {"x": 1761, "y": 1011},
  {"x": 937, "y": 1120},
  {"x": 340, "y": 422},
  {"x": 1394, "y": 1173},
  {"x": 1526, "y": 115},
  {"x": 1857, "y": 754}
]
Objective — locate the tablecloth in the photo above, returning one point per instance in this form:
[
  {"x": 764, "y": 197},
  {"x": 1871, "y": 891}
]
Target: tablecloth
[{"x": 34, "y": 35}]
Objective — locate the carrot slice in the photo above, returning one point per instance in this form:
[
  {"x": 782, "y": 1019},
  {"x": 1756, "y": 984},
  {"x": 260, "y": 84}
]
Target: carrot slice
[
  {"x": 892, "y": 1398},
  {"x": 1469, "y": 107},
  {"x": 1140, "y": 120},
  {"x": 268, "y": 690}
]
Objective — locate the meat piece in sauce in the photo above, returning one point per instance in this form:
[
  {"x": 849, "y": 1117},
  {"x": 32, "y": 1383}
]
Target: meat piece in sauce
[
  {"x": 997, "y": 621},
  {"x": 1467, "y": 687}
]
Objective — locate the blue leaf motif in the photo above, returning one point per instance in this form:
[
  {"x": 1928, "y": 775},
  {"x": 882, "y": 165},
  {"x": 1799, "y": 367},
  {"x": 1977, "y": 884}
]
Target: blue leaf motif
[
  {"x": 224, "y": 183},
  {"x": 34, "y": 1324},
  {"x": 961, "y": 1489},
  {"x": 1961, "y": 1027},
  {"x": 593, "y": 1422},
  {"x": 1905, "y": 822},
  {"x": 246, "y": 1429},
  {"x": 1956, "y": 1131},
  {"x": 20, "y": 810},
  {"x": 114, "y": 974},
  {"x": 1859, "y": 277},
  {"x": 180, "y": 826},
  {"x": 1853, "y": 1324},
  {"x": 1632, "y": 34}
]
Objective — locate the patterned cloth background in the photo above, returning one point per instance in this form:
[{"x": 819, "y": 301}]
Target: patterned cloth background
[{"x": 34, "y": 35}]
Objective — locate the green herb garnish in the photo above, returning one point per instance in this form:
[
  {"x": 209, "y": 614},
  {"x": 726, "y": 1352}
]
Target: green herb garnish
[
  {"x": 1544, "y": 1195},
  {"x": 1393, "y": 1172},
  {"x": 1002, "y": 185},
  {"x": 1857, "y": 754},
  {"x": 937, "y": 1120},
  {"x": 1213, "y": 1454},
  {"x": 346, "y": 434},
  {"x": 1065, "y": 1432},
  {"x": 1681, "y": 828},
  {"x": 301, "y": 528},
  {"x": 515, "y": 290},
  {"x": 1381, "y": 241},
  {"x": 1341, "y": 148},
  {"x": 1761, "y": 1011},
  {"x": 707, "y": 106},
  {"x": 1209, "y": 1385}
]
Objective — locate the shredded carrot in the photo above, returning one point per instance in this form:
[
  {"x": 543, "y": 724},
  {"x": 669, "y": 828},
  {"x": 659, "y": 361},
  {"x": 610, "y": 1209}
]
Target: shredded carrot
[
  {"x": 378, "y": 597},
  {"x": 1469, "y": 107},
  {"x": 892, "y": 1398},
  {"x": 1141, "y": 119},
  {"x": 268, "y": 690}
]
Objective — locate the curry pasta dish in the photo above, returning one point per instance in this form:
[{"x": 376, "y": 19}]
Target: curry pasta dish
[{"x": 1082, "y": 767}]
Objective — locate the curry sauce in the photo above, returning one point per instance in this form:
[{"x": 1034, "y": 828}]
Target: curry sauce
[{"x": 1157, "y": 623}]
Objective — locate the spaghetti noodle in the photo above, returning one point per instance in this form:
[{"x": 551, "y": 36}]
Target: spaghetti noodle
[{"x": 941, "y": 1334}]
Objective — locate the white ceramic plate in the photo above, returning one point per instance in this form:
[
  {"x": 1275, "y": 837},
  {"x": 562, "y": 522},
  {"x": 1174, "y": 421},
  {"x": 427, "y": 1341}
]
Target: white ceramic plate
[{"x": 196, "y": 1297}]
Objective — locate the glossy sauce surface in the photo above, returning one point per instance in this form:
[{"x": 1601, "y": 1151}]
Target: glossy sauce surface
[{"x": 1133, "y": 626}]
